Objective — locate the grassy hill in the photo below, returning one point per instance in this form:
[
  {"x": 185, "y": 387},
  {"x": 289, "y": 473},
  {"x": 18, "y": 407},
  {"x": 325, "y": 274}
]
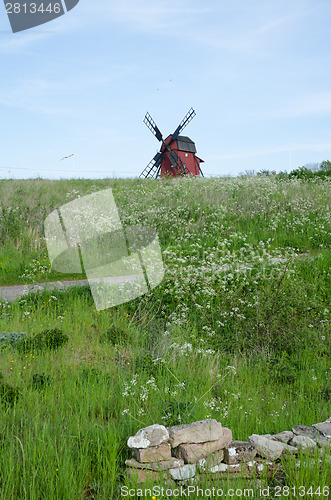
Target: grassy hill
[{"x": 239, "y": 329}]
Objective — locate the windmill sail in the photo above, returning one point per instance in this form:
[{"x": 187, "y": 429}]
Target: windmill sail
[
  {"x": 150, "y": 123},
  {"x": 167, "y": 161},
  {"x": 185, "y": 121},
  {"x": 153, "y": 168}
]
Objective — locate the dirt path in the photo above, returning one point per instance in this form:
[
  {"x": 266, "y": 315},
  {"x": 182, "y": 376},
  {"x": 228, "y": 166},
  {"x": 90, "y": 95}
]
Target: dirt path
[{"x": 11, "y": 293}]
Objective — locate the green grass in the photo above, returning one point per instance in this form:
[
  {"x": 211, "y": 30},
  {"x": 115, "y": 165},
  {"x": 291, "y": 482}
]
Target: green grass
[{"x": 239, "y": 330}]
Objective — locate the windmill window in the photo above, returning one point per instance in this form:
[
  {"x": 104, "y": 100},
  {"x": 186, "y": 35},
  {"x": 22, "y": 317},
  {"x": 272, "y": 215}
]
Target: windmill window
[{"x": 186, "y": 154}]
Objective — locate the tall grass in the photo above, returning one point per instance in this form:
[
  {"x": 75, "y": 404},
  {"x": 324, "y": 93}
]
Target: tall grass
[{"x": 239, "y": 330}]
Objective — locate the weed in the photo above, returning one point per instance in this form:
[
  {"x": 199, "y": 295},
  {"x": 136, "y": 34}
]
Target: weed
[
  {"x": 40, "y": 381},
  {"x": 11, "y": 339},
  {"x": 8, "y": 395},
  {"x": 47, "y": 340}
]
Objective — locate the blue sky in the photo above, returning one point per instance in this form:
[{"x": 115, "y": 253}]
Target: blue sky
[{"x": 257, "y": 73}]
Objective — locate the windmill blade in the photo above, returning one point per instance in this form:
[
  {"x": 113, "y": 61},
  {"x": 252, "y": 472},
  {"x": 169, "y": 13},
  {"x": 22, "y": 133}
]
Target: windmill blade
[
  {"x": 176, "y": 161},
  {"x": 185, "y": 121},
  {"x": 153, "y": 168},
  {"x": 150, "y": 123}
]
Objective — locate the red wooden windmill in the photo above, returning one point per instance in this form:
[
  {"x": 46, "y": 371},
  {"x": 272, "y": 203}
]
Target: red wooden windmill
[{"x": 177, "y": 156}]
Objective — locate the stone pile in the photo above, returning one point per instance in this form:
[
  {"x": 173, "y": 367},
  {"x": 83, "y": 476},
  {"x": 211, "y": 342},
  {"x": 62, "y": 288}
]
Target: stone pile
[{"x": 184, "y": 452}]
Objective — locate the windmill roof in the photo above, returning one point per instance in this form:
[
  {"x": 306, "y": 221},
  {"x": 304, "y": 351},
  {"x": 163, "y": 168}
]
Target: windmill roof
[{"x": 186, "y": 144}]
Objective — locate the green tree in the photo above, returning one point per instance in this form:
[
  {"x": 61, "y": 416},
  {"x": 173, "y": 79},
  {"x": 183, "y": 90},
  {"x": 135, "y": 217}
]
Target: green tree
[{"x": 325, "y": 165}]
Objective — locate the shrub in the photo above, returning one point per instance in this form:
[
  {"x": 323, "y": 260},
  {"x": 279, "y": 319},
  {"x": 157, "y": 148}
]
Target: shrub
[
  {"x": 305, "y": 173},
  {"x": 50, "y": 339},
  {"x": 8, "y": 394},
  {"x": 301, "y": 173},
  {"x": 11, "y": 339},
  {"x": 325, "y": 165},
  {"x": 266, "y": 173},
  {"x": 115, "y": 335},
  {"x": 40, "y": 381},
  {"x": 46, "y": 340}
]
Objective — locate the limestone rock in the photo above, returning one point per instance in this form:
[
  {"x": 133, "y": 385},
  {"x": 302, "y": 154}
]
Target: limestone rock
[
  {"x": 224, "y": 471},
  {"x": 262, "y": 466},
  {"x": 304, "y": 430},
  {"x": 239, "y": 451},
  {"x": 303, "y": 442},
  {"x": 252, "y": 469},
  {"x": 184, "y": 472},
  {"x": 267, "y": 448},
  {"x": 283, "y": 437},
  {"x": 197, "y": 432},
  {"x": 152, "y": 454},
  {"x": 323, "y": 441},
  {"x": 192, "y": 453},
  {"x": 324, "y": 428},
  {"x": 231, "y": 469},
  {"x": 152, "y": 435},
  {"x": 205, "y": 464},
  {"x": 289, "y": 449},
  {"x": 156, "y": 466}
]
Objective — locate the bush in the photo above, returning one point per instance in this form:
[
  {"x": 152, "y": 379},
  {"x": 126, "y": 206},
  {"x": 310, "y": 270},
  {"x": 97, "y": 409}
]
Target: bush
[
  {"x": 8, "y": 394},
  {"x": 40, "y": 381},
  {"x": 50, "y": 339},
  {"x": 11, "y": 339},
  {"x": 325, "y": 165},
  {"x": 266, "y": 173},
  {"x": 115, "y": 336},
  {"x": 47, "y": 340},
  {"x": 305, "y": 174},
  {"x": 301, "y": 173}
]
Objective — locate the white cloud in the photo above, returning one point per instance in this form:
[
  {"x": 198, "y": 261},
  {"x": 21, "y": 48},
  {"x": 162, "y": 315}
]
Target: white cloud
[
  {"x": 53, "y": 95},
  {"x": 256, "y": 26}
]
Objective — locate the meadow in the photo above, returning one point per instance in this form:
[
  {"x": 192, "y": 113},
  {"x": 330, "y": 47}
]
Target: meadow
[{"x": 239, "y": 330}]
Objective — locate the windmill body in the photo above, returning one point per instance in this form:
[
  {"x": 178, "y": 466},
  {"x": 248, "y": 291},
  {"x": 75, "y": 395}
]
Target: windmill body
[
  {"x": 185, "y": 149},
  {"x": 177, "y": 156}
]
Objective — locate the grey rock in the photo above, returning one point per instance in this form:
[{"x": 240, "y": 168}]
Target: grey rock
[
  {"x": 206, "y": 464},
  {"x": 239, "y": 451},
  {"x": 284, "y": 436},
  {"x": 267, "y": 448},
  {"x": 153, "y": 435},
  {"x": 192, "y": 453},
  {"x": 231, "y": 469},
  {"x": 303, "y": 442},
  {"x": 304, "y": 430},
  {"x": 184, "y": 472},
  {"x": 289, "y": 449},
  {"x": 156, "y": 466},
  {"x": 153, "y": 453},
  {"x": 197, "y": 432},
  {"x": 324, "y": 428},
  {"x": 220, "y": 468},
  {"x": 323, "y": 441}
]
